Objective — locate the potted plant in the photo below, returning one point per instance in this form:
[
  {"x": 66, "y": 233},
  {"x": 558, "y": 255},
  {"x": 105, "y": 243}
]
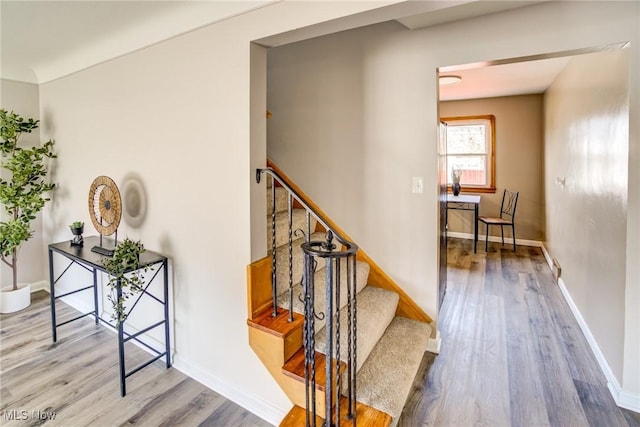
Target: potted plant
[
  {"x": 77, "y": 228},
  {"x": 23, "y": 188},
  {"x": 456, "y": 173},
  {"x": 124, "y": 267}
]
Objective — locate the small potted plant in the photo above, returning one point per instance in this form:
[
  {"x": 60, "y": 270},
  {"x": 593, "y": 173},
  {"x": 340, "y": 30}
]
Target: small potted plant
[
  {"x": 456, "y": 173},
  {"x": 124, "y": 267},
  {"x": 77, "y": 228},
  {"x": 23, "y": 193}
]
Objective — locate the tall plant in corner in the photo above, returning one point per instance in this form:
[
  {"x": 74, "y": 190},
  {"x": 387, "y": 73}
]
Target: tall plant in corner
[{"x": 23, "y": 185}]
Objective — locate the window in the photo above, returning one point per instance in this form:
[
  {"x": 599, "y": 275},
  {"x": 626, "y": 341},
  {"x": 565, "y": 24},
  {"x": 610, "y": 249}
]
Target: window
[{"x": 471, "y": 148}]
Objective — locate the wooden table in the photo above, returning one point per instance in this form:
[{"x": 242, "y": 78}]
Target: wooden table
[{"x": 466, "y": 202}]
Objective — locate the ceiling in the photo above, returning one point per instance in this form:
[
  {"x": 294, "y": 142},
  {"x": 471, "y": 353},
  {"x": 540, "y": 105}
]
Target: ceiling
[
  {"x": 517, "y": 78},
  {"x": 44, "y": 40}
]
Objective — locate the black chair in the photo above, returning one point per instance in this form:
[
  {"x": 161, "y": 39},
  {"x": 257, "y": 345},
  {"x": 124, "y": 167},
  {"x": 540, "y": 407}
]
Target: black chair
[{"x": 507, "y": 217}]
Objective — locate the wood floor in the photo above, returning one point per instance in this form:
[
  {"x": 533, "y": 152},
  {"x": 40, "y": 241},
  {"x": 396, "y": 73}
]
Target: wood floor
[
  {"x": 512, "y": 353},
  {"x": 76, "y": 379}
]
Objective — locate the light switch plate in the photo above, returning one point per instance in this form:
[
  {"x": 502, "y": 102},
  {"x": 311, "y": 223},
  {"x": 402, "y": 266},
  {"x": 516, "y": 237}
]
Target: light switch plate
[{"x": 417, "y": 186}]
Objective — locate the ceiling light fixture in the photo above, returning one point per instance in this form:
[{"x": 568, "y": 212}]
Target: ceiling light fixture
[{"x": 449, "y": 80}]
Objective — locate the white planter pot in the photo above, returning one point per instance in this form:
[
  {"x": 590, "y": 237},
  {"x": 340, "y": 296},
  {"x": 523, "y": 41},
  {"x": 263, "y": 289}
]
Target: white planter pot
[{"x": 12, "y": 301}]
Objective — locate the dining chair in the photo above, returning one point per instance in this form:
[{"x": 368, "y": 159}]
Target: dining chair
[{"x": 507, "y": 217}]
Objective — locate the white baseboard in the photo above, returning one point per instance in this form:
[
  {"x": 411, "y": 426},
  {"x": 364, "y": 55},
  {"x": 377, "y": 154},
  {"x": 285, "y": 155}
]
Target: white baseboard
[
  {"x": 42, "y": 285},
  {"x": 547, "y": 256},
  {"x": 252, "y": 403},
  {"x": 630, "y": 401},
  {"x": 433, "y": 346},
  {"x": 507, "y": 240},
  {"x": 622, "y": 398}
]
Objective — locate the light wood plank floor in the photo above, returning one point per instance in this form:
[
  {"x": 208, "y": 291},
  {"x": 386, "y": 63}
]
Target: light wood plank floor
[
  {"x": 512, "y": 353},
  {"x": 77, "y": 379}
]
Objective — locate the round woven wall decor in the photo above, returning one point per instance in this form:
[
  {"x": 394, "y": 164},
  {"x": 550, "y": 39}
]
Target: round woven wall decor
[{"x": 105, "y": 205}]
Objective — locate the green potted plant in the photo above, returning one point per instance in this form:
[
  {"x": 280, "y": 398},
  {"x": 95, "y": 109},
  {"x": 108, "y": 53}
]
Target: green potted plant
[
  {"x": 77, "y": 228},
  {"x": 23, "y": 188},
  {"x": 124, "y": 266}
]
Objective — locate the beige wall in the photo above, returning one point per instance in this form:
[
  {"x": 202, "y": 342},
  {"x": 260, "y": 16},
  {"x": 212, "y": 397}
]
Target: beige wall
[
  {"x": 519, "y": 166},
  {"x": 587, "y": 146},
  {"x": 355, "y": 118},
  {"x": 23, "y": 98}
]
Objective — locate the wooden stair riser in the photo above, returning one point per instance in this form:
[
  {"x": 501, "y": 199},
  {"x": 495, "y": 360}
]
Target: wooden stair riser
[
  {"x": 273, "y": 352},
  {"x": 366, "y": 416}
]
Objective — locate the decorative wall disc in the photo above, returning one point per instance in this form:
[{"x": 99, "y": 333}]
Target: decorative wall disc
[{"x": 105, "y": 205}]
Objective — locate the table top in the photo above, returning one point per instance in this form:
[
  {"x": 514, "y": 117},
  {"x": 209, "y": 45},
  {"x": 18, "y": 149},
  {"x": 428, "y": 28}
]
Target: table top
[
  {"x": 84, "y": 254},
  {"x": 463, "y": 198}
]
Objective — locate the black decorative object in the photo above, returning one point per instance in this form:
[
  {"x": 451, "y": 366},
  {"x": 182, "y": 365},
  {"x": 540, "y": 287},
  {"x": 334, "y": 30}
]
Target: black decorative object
[
  {"x": 77, "y": 228},
  {"x": 455, "y": 188}
]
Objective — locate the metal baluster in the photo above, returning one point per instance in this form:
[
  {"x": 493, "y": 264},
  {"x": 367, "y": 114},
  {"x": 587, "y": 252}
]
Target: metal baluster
[
  {"x": 307, "y": 310},
  {"x": 274, "y": 267},
  {"x": 349, "y": 343},
  {"x": 355, "y": 339},
  {"x": 329, "y": 340},
  {"x": 338, "y": 376},
  {"x": 290, "y": 212}
]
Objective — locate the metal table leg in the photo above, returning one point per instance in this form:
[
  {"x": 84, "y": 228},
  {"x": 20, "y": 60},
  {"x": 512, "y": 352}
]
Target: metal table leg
[
  {"x": 52, "y": 295},
  {"x": 475, "y": 227}
]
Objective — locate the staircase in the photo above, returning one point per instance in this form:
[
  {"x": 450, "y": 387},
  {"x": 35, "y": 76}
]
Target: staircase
[{"x": 389, "y": 346}]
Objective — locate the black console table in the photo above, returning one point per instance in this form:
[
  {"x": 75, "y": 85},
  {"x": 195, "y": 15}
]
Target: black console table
[{"x": 92, "y": 262}]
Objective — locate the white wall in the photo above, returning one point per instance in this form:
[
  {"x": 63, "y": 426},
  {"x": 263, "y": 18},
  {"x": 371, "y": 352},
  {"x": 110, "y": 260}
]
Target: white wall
[
  {"x": 23, "y": 98},
  {"x": 355, "y": 117},
  {"x": 587, "y": 145}
]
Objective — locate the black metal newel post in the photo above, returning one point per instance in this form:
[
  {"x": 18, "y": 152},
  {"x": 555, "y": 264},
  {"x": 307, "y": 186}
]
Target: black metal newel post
[{"x": 333, "y": 284}]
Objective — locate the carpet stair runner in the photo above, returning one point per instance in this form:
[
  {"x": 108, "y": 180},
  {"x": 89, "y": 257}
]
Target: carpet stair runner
[{"x": 389, "y": 348}]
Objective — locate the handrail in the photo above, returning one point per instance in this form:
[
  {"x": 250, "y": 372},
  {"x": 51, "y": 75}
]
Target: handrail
[{"x": 295, "y": 194}]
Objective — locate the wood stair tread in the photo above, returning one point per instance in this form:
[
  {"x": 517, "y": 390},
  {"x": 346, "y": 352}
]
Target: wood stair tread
[
  {"x": 366, "y": 416},
  {"x": 294, "y": 368},
  {"x": 278, "y": 325}
]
